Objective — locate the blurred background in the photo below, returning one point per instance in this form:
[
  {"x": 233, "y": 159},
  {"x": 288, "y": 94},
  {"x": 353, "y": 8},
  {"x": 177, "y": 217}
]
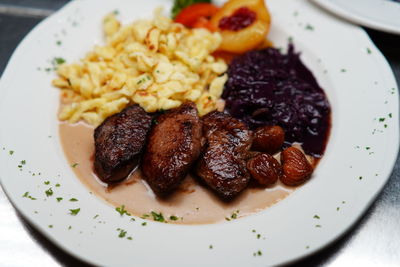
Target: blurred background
[{"x": 373, "y": 241}]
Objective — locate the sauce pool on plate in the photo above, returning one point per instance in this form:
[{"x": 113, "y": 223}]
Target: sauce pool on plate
[{"x": 192, "y": 203}]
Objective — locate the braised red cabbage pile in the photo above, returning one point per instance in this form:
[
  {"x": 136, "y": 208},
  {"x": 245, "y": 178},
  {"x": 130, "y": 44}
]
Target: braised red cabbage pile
[{"x": 266, "y": 87}]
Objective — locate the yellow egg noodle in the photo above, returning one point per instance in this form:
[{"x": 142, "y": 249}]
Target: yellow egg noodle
[{"x": 157, "y": 64}]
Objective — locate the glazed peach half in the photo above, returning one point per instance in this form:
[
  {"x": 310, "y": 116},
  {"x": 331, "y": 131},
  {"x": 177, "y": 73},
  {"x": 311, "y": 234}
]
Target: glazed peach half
[{"x": 243, "y": 24}]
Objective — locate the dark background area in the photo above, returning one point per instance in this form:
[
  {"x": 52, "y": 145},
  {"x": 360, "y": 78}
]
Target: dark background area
[{"x": 18, "y": 17}]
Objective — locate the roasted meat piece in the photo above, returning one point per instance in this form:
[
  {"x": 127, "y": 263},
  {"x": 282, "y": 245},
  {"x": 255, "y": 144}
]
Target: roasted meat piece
[
  {"x": 174, "y": 143},
  {"x": 119, "y": 141},
  {"x": 223, "y": 163}
]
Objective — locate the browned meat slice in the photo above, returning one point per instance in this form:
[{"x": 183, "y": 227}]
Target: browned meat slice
[
  {"x": 173, "y": 145},
  {"x": 223, "y": 164},
  {"x": 119, "y": 141}
]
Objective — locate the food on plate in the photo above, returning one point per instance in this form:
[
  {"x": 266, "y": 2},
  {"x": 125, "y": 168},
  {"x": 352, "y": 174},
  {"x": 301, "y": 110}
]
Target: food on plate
[
  {"x": 295, "y": 166},
  {"x": 197, "y": 16},
  {"x": 266, "y": 87},
  {"x": 265, "y": 169},
  {"x": 173, "y": 145},
  {"x": 179, "y": 5},
  {"x": 167, "y": 102},
  {"x": 119, "y": 142},
  {"x": 157, "y": 64},
  {"x": 243, "y": 24},
  {"x": 223, "y": 163},
  {"x": 268, "y": 139}
]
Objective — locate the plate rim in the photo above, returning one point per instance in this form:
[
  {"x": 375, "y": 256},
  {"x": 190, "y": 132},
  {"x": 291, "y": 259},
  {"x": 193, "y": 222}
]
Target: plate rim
[{"x": 379, "y": 56}]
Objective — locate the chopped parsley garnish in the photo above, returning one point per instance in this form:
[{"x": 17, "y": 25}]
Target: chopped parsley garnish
[
  {"x": 158, "y": 217},
  {"x": 253, "y": 230},
  {"x": 155, "y": 122},
  {"x": 144, "y": 223},
  {"x": 129, "y": 238},
  {"x": 23, "y": 162},
  {"x": 258, "y": 253},
  {"x": 28, "y": 196},
  {"x": 74, "y": 165},
  {"x": 211, "y": 247},
  {"x": 258, "y": 236},
  {"x": 360, "y": 178},
  {"x": 338, "y": 208},
  {"x": 49, "y": 192},
  {"x": 234, "y": 214},
  {"x": 369, "y": 50},
  {"x": 318, "y": 225},
  {"x": 343, "y": 70},
  {"x": 121, "y": 210},
  {"x": 11, "y": 152},
  {"x": 390, "y": 115},
  {"x": 59, "y": 199},
  {"x": 122, "y": 233},
  {"x": 58, "y": 43},
  {"x": 144, "y": 216},
  {"x": 309, "y": 27},
  {"x": 381, "y": 119},
  {"x": 69, "y": 227},
  {"x": 367, "y": 148},
  {"x": 50, "y": 226},
  {"x": 58, "y": 61},
  {"x": 58, "y": 185},
  {"x": 47, "y": 182},
  {"x": 73, "y": 200},
  {"x": 74, "y": 211},
  {"x": 97, "y": 215},
  {"x": 116, "y": 12},
  {"x": 316, "y": 217},
  {"x": 173, "y": 218}
]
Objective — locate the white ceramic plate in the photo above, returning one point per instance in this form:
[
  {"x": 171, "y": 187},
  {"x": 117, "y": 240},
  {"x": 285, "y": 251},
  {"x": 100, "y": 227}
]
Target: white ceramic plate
[
  {"x": 359, "y": 157},
  {"x": 381, "y": 15}
]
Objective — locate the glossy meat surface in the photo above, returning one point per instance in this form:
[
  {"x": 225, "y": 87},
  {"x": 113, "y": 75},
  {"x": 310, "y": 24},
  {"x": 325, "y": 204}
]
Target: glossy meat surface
[
  {"x": 173, "y": 145},
  {"x": 223, "y": 163},
  {"x": 119, "y": 141}
]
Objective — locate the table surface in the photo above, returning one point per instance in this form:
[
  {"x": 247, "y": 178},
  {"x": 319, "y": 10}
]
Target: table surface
[{"x": 373, "y": 241}]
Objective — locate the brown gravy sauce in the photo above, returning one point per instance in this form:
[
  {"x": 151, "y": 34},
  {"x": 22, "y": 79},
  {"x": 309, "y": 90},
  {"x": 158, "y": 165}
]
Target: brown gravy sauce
[{"x": 193, "y": 203}]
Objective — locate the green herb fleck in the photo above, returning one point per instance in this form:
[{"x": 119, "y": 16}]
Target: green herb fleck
[
  {"x": 144, "y": 223},
  {"x": 50, "y": 226},
  {"x": 116, "y": 12},
  {"x": 74, "y": 211},
  {"x": 173, "y": 218},
  {"x": 343, "y": 70},
  {"x": 121, "y": 210},
  {"x": 381, "y": 119},
  {"x": 258, "y": 236},
  {"x": 253, "y": 230},
  {"x": 385, "y": 125},
  {"x": 309, "y": 27},
  {"x": 59, "y": 199},
  {"x": 23, "y": 162},
  {"x": 28, "y": 196},
  {"x": 58, "y": 185},
  {"x": 49, "y": 192},
  {"x": 390, "y": 115},
  {"x": 367, "y": 148},
  {"x": 58, "y": 43},
  {"x": 155, "y": 122},
  {"x": 316, "y": 217},
  {"x": 338, "y": 208},
  {"x": 74, "y": 165},
  {"x": 58, "y": 61},
  {"x": 226, "y": 218},
  {"x": 360, "y": 177},
  {"x": 122, "y": 233},
  {"x": 210, "y": 247},
  {"x": 307, "y": 247},
  {"x": 11, "y": 152},
  {"x": 47, "y": 182},
  {"x": 318, "y": 226},
  {"x": 144, "y": 216},
  {"x": 158, "y": 217},
  {"x": 69, "y": 227},
  {"x": 73, "y": 200},
  {"x": 369, "y": 50},
  {"x": 129, "y": 238}
]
